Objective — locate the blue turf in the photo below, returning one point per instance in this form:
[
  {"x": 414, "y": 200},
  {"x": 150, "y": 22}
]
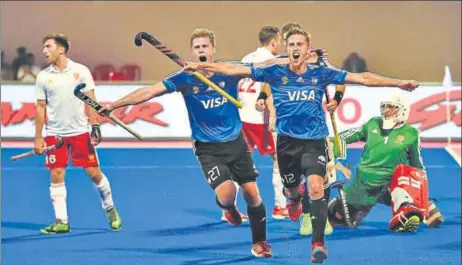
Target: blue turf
[{"x": 170, "y": 217}]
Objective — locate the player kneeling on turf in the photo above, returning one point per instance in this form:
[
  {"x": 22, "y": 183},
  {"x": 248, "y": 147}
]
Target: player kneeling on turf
[{"x": 391, "y": 172}]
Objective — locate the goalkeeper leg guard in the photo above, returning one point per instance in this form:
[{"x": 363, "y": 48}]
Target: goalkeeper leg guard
[{"x": 409, "y": 198}]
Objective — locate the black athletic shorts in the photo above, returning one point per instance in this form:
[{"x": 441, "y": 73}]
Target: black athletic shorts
[
  {"x": 226, "y": 161},
  {"x": 297, "y": 157}
]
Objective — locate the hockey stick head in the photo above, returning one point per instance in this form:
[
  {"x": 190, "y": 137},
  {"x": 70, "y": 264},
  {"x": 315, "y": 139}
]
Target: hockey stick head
[
  {"x": 89, "y": 101},
  {"x": 139, "y": 38},
  {"x": 59, "y": 142}
]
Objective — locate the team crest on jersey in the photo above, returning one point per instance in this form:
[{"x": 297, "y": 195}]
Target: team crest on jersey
[
  {"x": 195, "y": 89},
  {"x": 222, "y": 84},
  {"x": 399, "y": 139},
  {"x": 284, "y": 80},
  {"x": 50, "y": 81},
  {"x": 76, "y": 76},
  {"x": 91, "y": 157}
]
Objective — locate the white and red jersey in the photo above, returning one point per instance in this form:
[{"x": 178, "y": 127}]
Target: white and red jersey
[
  {"x": 65, "y": 112},
  {"x": 250, "y": 90}
]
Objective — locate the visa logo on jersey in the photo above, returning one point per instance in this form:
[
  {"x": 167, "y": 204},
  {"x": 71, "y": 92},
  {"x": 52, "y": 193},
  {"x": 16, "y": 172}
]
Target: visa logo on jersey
[
  {"x": 301, "y": 95},
  {"x": 214, "y": 102}
]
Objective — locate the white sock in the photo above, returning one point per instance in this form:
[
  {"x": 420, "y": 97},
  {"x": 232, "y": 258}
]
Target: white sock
[
  {"x": 237, "y": 191},
  {"x": 279, "y": 199},
  {"x": 58, "y": 194},
  {"x": 105, "y": 194}
]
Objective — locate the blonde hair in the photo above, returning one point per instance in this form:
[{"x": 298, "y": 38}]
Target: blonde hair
[
  {"x": 201, "y": 32},
  {"x": 299, "y": 31},
  {"x": 287, "y": 27},
  {"x": 60, "y": 39}
]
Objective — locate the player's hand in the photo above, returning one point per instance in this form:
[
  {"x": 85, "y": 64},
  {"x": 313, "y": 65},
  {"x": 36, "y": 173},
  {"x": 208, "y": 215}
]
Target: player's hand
[
  {"x": 39, "y": 146},
  {"x": 106, "y": 110},
  {"x": 190, "y": 67},
  {"x": 332, "y": 105},
  {"x": 313, "y": 56},
  {"x": 272, "y": 123},
  {"x": 260, "y": 105},
  {"x": 408, "y": 85},
  {"x": 96, "y": 135}
]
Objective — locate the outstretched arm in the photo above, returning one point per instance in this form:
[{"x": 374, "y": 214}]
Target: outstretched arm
[
  {"x": 375, "y": 80},
  {"x": 139, "y": 96},
  {"x": 240, "y": 70},
  {"x": 221, "y": 68}
]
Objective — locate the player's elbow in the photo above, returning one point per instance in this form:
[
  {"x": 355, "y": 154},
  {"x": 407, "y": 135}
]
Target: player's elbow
[{"x": 370, "y": 79}]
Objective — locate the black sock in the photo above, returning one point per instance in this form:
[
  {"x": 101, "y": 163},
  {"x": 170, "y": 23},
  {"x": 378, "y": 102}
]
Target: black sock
[
  {"x": 318, "y": 219},
  {"x": 306, "y": 202},
  {"x": 257, "y": 219}
]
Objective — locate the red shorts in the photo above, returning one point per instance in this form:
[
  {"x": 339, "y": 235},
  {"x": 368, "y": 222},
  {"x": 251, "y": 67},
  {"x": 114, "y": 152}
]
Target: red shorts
[
  {"x": 83, "y": 153},
  {"x": 259, "y": 135}
]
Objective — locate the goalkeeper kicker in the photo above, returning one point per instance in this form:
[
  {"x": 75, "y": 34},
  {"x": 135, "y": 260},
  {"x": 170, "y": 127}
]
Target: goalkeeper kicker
[{"x": 391, "y": 172}]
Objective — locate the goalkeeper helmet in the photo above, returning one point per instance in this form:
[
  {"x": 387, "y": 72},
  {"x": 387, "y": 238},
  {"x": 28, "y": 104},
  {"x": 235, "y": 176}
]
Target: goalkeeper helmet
[{"x": 401, "y": 114}]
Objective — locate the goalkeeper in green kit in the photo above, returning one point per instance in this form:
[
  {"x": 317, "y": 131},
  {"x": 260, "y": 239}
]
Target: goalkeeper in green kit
[{"x": 390, "y": 172}]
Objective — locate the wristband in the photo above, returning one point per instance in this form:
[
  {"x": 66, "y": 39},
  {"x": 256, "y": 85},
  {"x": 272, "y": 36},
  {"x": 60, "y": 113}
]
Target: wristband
[
  {"x": 338, "y": 96},
  {"x": 262, "y": 95}
]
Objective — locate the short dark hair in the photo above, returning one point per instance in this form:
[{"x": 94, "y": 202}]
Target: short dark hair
[
  {"x": 267, "y": 33},
  {"x": 288, "y": 27},
  {"x": 60, "y": 40},
  {"x": 299, "y": 31}
]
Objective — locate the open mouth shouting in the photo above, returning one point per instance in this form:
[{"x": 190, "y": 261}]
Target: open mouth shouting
[
  {"x": 202, "y": 58},
  {"x": 296, "y": 56}
]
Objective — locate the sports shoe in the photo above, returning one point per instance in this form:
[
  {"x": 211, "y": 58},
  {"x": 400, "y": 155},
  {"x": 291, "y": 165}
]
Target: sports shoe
[
  {"x": 294, "y": 207},
  {"x": 280, "y": 213},
  {"x": 244, "y": 217},
  {"x": 318, "y": 252},
  {"x": 306, "y": 228},
  {"x": 114, "y": 219},
  {"x": 407, "y": 219},
  {"x": 261, "y": 250},
  {"x": 233, "y": 216},
  {"x": 57, "y": 227}
]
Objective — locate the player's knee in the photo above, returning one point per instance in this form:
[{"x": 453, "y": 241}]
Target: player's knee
[
  {"x": 57, "y": 175},
  {"x": 251, "y": 193},
  {"x": 315, "y": 187},
  {"x": 226, "y": 193},
  {"x": 94, "y": 173}
]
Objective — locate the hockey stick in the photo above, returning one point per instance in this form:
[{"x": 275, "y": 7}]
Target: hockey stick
[
  {"x": 323, "y": 61},
  {"x": 96, "y": 106},
  {"x": 46, "y": 150},
  {"x": 174, "y": 57}
]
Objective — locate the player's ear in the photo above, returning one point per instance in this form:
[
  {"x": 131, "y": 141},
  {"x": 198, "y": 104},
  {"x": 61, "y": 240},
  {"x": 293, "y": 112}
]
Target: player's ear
[{"x": 61, "y": 50}]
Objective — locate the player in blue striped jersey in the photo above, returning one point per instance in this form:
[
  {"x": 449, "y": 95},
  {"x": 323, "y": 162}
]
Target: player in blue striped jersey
[
  {"x": 219, "y": 145},
  {"x": 298, "y": 88}
]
